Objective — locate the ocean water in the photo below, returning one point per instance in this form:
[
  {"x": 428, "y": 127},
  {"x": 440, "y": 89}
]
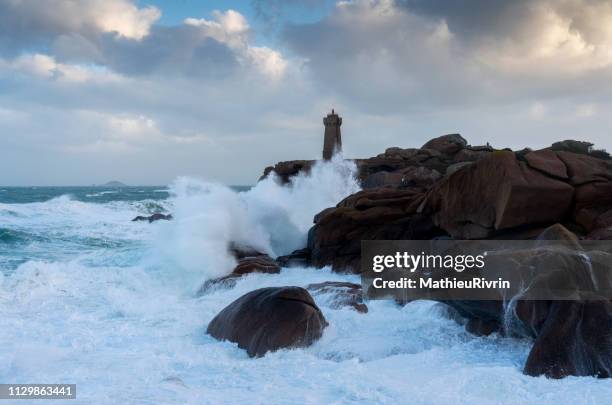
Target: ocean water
[{"x": 89, "y": 297}]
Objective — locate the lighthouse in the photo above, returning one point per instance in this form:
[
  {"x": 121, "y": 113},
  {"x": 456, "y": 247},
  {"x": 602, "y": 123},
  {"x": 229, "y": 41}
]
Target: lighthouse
[{"x": 332, "y": 143}]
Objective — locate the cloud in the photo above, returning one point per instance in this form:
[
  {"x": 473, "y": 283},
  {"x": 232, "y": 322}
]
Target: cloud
[
  {"x": 92, "y": 90},
  {"x": 217, "y": 48},
  {"x": 406, "y": 55},
  {"x": 118, "y": 35},
  {"x": 46, "y": 67},
  {"x": 26, "y": 23},
  {"x": 385, "y": 57}
]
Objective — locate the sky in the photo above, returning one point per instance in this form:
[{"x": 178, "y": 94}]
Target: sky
[{"x": 145, "y": 91}]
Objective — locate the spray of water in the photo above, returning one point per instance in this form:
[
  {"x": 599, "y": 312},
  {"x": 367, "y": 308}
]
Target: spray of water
[{"x": 270, "y": 217}]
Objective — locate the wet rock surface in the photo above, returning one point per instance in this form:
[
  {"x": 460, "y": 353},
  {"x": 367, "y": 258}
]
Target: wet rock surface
[
  {"x": 449, "y": 189},
  {"x": 269, "y": 319},
  {"x": 340, "y": 294},
  {"x": 260, "y": 263},
  {"x": 573, "y": 333},
  {"x": 152, "y": 218}
]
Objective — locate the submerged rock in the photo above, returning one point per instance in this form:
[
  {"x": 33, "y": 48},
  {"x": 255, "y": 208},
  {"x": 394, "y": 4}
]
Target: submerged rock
[
  {"x": 247, "y": 264},
  {"x": 152, "y": 218},
  {"x": 297, "y": 258},
  {"x": 269, "y": 319},
  {"x": 341, "y": 294}
]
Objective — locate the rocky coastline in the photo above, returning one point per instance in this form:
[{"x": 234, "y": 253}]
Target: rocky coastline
[{"x": 446, "y": 189}]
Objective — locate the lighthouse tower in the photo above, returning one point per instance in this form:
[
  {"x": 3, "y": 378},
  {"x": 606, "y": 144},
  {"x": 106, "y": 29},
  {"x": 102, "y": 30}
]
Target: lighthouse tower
[{"x": 332, "y": 143}]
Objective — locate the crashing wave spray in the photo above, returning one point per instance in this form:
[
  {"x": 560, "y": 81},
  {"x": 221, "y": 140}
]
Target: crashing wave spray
[{"x": 270, "y": 217}]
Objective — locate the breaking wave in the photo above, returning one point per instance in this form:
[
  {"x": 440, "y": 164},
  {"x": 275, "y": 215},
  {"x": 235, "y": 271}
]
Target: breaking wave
[{"x": 269, "y": 217}]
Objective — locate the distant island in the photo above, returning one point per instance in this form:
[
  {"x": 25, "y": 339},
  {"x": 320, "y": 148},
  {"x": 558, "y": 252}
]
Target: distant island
[{"x": 113, "y": 184}]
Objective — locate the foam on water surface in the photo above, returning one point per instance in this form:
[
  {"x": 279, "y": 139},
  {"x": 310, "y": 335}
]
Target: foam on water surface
[{"x": 88, "y": 297}]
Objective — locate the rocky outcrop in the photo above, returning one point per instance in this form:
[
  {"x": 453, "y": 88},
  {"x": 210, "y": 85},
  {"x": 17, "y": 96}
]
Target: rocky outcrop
[
  {"x": 269, "y": 319},
  {"x": 580, "y": 147},
  {"x": 501, "y": 195},
  {"x": 398, "y": 167},
  {"x": 152, "y": 218},
  {"x": 285, "y": 170},
  {"x": 601, "y": 234},
  {"x": 297, "y": 258},
  {"x": 592, "y": 180},
  {"x": 497, "y": 193},
  {"x": 547, "y": 162},
  {"x": 339, "y": 295},
  {"x": 422, "y": 167},
  {"x": 448, "y": 189},
  {"x": 572, "y": 337},
  {"x": 446, "y": 144},
  {"x": 409, "y": 177}
]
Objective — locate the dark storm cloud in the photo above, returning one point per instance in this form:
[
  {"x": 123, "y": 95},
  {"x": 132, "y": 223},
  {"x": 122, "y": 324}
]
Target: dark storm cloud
[
  {"x": 405, "y": 55},
  {"x": 31, "y": 24},
  {"x": 114, "y": 34},
  {"x": 169, "y": 50},
  {"x": 26, "y": 26},
  {"x": 471, "y": 18}
]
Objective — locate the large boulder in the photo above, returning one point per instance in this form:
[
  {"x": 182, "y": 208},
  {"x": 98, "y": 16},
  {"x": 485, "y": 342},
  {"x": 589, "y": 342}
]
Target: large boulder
[
  {"x": 547, "y": 162},
  {"x": 572, "y": 337},
  {"x": 285, "y": 170},
  {"x": 573, "y": 146},
  {"x": 575, "y": 338},
  {"x": 297, "y": 258},
  {"x": 397, "y": 159},
  {"x": 269, "y": 319},
  {"x": 446, "y": 144},
  {"x": 584, "y": 169},
  {"x": 592, "y": 180},
  {"x": 381, "y": 213},
  {"x": 412, "y": 176},
  {"x": 383, "y": 179},
  {"x": 497, "y": 193},
  {"x": 472, "y": 154},
  {"x": 601, "y": 234}
]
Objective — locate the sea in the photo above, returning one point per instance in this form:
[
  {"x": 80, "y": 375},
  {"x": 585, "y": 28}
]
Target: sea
[{"x": 88, "y": 297}]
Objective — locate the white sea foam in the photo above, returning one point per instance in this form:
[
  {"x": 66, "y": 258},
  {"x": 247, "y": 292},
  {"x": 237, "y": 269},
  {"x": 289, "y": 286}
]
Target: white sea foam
[
  {"x": 101, "y": 193},
  {"x": 108, "y": 320},
  {"x": 125, "y": 337},
  {"x": 269, "y": 217}
]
